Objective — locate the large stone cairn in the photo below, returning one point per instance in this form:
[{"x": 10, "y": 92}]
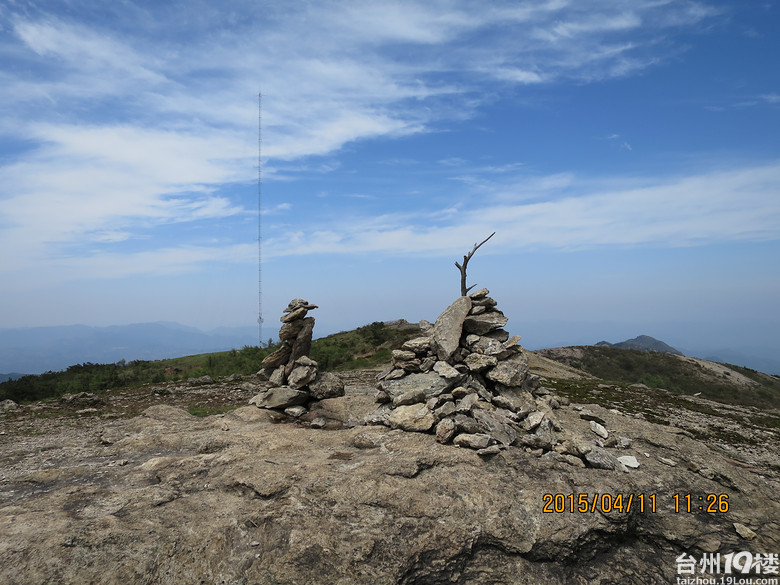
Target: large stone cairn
[
  {"x": 294, "y": 377},
  {"x": 468, "y": 382}
]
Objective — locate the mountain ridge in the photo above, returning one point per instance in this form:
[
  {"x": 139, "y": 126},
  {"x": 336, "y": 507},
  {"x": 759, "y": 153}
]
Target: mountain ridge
[{"x": 643, "y": 343}]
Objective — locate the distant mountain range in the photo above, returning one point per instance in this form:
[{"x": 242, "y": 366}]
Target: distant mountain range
[
  {"x": 35, "y": 350},
  {"x": 643, "y": 343}
]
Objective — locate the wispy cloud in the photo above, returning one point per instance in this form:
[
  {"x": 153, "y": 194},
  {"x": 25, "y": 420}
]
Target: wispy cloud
[
  {"x": 714, "y": 207},
  {"x": 127, "y": 122}
]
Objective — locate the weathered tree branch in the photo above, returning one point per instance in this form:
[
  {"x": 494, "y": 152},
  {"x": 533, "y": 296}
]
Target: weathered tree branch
[{"x": 463, "y": 289}]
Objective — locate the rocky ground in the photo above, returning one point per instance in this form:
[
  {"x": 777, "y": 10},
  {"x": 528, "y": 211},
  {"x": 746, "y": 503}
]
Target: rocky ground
[{"x": 129, "y": 487}]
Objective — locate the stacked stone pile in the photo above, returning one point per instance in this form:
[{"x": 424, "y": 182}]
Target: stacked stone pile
[
  {"x": 468, "y": 382},
  {"x": 294, "y": 378}
]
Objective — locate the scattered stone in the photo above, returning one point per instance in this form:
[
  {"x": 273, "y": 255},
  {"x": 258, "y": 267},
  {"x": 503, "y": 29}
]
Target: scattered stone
[
  {"x": 472, "y": 441},
  {"x": 319, "y": 423},
  {"x": 466, "y": 424},
  {"x": 489, "y": 451},
  {"x": 533, "y": 420},
  {"x": 568, "y": 459},
  {"x": 395, "y": 374},
  {"x": 629, "y": 461},
  {"x": 365, "y": 441},
  {"x": 599, "y": 430},
  {"x": 665, "y": 461},
  {"x": 497, "y": 426},
  {"x": 290, "y": 330},
  {"x": 600, "y": 459},
  {"x": 744, "y": 531},
  {"x": 295, "y": 411},
  {"x": 403, "y": 355},
  {"x": 280, "y": 397},
  {"x": 588, "y": 415},
  {"x": 543, "y": 438},
  {"x": 88, "y": 398},
  {"x": 301, "y": 375},
  {"x": 198, "y": 381}
]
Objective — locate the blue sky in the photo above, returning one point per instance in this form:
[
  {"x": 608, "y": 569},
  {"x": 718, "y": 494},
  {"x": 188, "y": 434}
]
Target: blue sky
[{"x": 625, "y": 152}]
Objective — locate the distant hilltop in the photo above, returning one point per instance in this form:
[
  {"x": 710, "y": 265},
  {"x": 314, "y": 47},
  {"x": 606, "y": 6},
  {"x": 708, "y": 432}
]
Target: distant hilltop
[{"x": 643, "y": 343}]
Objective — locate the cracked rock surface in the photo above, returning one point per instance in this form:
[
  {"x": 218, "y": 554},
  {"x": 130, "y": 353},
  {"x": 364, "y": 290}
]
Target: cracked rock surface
[{"x": 166, "y": 497}]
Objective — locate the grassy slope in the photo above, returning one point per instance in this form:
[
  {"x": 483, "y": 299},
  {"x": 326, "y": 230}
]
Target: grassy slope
[
  {"x": 362, "y": 347},
  {"x": 678, "y": 375},
  {"x": 372, "y": 344}
]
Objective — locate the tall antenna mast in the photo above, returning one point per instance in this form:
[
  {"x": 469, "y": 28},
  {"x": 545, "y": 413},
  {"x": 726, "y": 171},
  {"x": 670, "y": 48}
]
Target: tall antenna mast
[{"x": 259, "y": 218}]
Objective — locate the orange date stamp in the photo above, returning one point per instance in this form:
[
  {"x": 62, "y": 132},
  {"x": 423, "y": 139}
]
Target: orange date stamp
[{"x": 625, "y": 503}]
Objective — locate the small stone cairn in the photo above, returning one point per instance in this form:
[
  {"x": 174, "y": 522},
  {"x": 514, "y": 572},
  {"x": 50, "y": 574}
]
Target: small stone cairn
[
  {"x": 294, "y": 377},
  {"x": 468, "y": 382}
]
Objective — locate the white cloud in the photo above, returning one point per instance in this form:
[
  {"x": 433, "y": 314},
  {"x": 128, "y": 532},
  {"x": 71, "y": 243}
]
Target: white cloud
[
  {"x": 143, "y": 120},
  {"x": 736, "y": 205}
]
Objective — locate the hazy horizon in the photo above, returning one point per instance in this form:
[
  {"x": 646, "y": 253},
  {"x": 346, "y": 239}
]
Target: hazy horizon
[{"x": 27, "y": 350}]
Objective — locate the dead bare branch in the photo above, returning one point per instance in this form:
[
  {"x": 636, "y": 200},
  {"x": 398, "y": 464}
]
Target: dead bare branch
[{"x": 464, "y": 290}]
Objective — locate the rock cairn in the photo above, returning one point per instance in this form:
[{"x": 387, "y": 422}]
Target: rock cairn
[
  {"x": 468, "y": 382},
  {"x": 295, "y": 380}
]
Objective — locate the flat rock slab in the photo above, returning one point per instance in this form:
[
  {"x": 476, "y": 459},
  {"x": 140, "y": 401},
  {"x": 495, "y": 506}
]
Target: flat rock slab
[
  {"x": 431, "y": 383},
  {"x": 484, "y": 322},
  {"x": 239, "y": 498}
]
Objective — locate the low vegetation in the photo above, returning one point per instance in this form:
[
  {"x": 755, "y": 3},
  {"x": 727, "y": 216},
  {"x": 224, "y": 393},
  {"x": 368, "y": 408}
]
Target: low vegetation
[
  {"x": 360, "y": 348},
  {"x": 678, "y": 376}
]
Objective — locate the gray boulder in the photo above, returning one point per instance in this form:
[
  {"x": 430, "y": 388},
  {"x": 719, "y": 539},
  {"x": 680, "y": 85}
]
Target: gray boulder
[
  {"x": 477, "y": 362},
  {"x": 484, "y": 322},
  {"x": 301, "y": 375},
  {"x": 411, "y": 397},
  {"x": 413, "y": 417},
  {"x": 600, "y": 459},
  {"x": 419, "y": 345},
  {"x": 448, "y": 327},
  {"x": 496, "y": 425},
  {"x": 510, "y": 372},
  {"x": 326, "y": 385},
  {"x": 472, "y": 441},
  {"x": 280, "y": 398},
  {"x": 430, "y": 383}
]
